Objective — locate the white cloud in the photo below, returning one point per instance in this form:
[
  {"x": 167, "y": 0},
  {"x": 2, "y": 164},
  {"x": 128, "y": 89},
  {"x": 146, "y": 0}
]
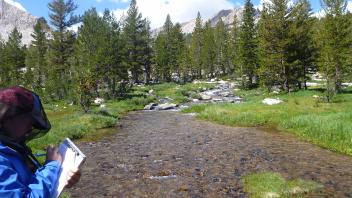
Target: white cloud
[
  {"x": 349, "y": 6},
  {"x": 16, "y": 4},
  {"x": 179, "y": 10}
]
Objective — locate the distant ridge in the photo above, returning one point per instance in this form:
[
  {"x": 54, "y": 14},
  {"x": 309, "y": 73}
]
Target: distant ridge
[
  {"x": 11, "y": 17},
  {"x": 226, "y": 15}
]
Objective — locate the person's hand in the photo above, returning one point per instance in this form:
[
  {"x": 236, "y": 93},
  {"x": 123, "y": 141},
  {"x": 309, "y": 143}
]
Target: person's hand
[
  {"x": 73, "y": 177},
  {"x": 52, "y": 153}
]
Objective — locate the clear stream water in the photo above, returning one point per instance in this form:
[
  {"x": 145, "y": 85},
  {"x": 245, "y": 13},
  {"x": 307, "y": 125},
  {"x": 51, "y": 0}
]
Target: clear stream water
[{"x": 169, "y": 154}]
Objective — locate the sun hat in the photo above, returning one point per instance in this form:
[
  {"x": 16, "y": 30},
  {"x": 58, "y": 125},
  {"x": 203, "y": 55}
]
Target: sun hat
[{"x": 17, "y": 100}]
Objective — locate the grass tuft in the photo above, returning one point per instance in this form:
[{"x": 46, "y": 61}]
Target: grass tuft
[{"x": 270, "y": 184}]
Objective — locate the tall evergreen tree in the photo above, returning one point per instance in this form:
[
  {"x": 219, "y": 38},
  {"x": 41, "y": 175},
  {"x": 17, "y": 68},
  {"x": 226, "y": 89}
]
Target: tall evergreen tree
[
  {"x": 61, "y": 47},
  {"x": 336, "y": 49},
  {"x": 196, "y": 47},
  {"x": 301, "y": 47},
  {"x": 13, "y": 68},
  {"x": 90, "y": 48},
  {"x": 274, "y": 43},
  {"x": 134, "y": 38},
  {"x": 209, "y": 53},
  {"x": 233, "y": 50},
  {"x": 221, "y": 44},
  {"x": 248, "y": 46},
  {"x": 36, "y": 56}
]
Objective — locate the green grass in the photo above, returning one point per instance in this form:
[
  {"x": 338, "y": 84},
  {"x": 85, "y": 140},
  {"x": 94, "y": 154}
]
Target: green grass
[
  {"x": 270, "y": 184},
  {"x": 70, "y": 121},
  {"x": 326, "y": 124}
]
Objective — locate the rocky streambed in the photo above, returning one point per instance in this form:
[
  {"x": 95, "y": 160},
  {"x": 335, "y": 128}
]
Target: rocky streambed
[
  {"x": 222, "y": 93},
  {"x": 169, "y": 154}
]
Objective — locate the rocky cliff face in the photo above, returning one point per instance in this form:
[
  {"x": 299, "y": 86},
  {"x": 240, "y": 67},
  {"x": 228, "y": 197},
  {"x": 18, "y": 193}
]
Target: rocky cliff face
[
  {"x": 11, "y": 17},
  {"x": 226, "y": 15}
]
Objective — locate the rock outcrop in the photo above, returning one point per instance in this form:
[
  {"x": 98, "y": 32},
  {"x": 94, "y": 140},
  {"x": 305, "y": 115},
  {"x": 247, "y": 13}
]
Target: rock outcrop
[{"x": 11, "y": 17}]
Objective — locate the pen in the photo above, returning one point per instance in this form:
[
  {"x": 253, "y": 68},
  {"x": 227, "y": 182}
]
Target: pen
[{"x": 39, "y": 154}]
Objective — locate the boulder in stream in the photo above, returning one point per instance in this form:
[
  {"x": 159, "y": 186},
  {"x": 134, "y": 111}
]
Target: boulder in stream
[
  {"x": 150, "y": 106},
  {"x": 166, "y": 106}
]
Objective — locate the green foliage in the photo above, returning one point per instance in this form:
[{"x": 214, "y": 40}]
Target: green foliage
[
  {"x": 270, "y": 184},
  {"x": 248, "y": 47},
  {"x": 61, "y": 48},
  {"x": 335, "y": 45},
  {"x": 196, "y": 48},
  {"x": 323, "y": 124},
  {"x": 136, "y": 40},
  {"x": 13, "y": 60},
  {"x": 36, "y": 57},
  {"x": 169, "y": 48},
  {"x": 209, "y": 53}
]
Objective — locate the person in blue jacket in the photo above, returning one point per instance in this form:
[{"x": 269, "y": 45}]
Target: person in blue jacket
[{"x": 22, "y": 118}]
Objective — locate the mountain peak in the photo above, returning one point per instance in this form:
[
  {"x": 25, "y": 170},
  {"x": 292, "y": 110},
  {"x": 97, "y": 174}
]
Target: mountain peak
[{"x": 14, "y": 15}]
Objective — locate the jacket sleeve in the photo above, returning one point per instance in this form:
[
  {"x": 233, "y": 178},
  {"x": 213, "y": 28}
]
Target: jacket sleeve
[{"x": 40, "y": 185}]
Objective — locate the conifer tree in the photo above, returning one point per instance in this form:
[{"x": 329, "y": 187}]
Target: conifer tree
[
  {"x": 221, "y": 44},
  {"x": 301, "y": 47},
  {"x": 90, "y": 48},
  {"x": 13, "y": 68},
  {"x": 61, "y": 47},
  {"x": 36, "y": 56},
  {"x": 274, "y": 43},
  {"x": 196, "y": 47},
  {"x": 233, "y": 50},
  {"x": 209, "y": 52},
  {"x": 248, "y": 46},
  {"x": 134, "y": 39},
  {"x": 178, "y": 42},
  {"x": 336, "y": 49}
]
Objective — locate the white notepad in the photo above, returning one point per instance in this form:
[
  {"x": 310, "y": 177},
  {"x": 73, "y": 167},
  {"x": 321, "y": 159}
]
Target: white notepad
[{"x": 72, "y": 158}]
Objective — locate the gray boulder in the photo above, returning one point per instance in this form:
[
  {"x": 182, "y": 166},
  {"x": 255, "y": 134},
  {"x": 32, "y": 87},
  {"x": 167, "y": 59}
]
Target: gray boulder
[
  {"x": 150, "y": 106},
  {"x": 166, "y": 106}
]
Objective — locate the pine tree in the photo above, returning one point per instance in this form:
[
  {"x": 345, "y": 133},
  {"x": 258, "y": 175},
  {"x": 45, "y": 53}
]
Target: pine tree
[
  {"x": 61, "y": 47},
  {"x": 269, "y": 70},
  {"x": 209, "y": 52},
  {"x": 196, "y": 47},
  {"x": 178, "y": 43},
  {"x": 274, "y": 44},
  {"x": 36, "y": 56},
  {"x": 148, "y": 52},
  {"x": 221, "y": 44},
  {"x": 233, "y": 50},
  {"x": 134, "y": 38},
  {"x": 336, "y": 49},
  {"x": 301, "y": 50},
  {"x": 91, "y": 45},
  {"x": 13, "y": 68},
  {"x": 248, "y": 46}
]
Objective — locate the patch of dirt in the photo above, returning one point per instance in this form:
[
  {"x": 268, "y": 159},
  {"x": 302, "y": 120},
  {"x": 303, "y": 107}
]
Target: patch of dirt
[{"x": 169, "y": 154}]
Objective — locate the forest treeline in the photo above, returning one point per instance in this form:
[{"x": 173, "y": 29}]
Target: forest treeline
[{"x": 275, "y": 47}]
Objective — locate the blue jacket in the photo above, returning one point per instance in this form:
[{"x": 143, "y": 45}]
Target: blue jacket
[{"x": 17, "y": 181}]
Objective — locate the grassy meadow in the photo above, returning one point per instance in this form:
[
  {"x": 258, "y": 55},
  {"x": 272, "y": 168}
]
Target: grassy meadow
[{"x": 302, "y": 113}]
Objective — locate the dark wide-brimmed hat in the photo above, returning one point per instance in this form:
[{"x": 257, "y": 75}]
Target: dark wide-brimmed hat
[{"x": 15, "y": 101}]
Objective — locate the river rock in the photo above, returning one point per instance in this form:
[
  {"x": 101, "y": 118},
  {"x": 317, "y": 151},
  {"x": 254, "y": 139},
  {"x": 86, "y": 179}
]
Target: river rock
[
  {"x": 166, "y": 106},
  {"x": 150, "y": 106},
  {"x": 205, "y": 97}
]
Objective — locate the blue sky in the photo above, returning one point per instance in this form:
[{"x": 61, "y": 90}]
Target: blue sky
[{"x": 155, "y": 10}]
